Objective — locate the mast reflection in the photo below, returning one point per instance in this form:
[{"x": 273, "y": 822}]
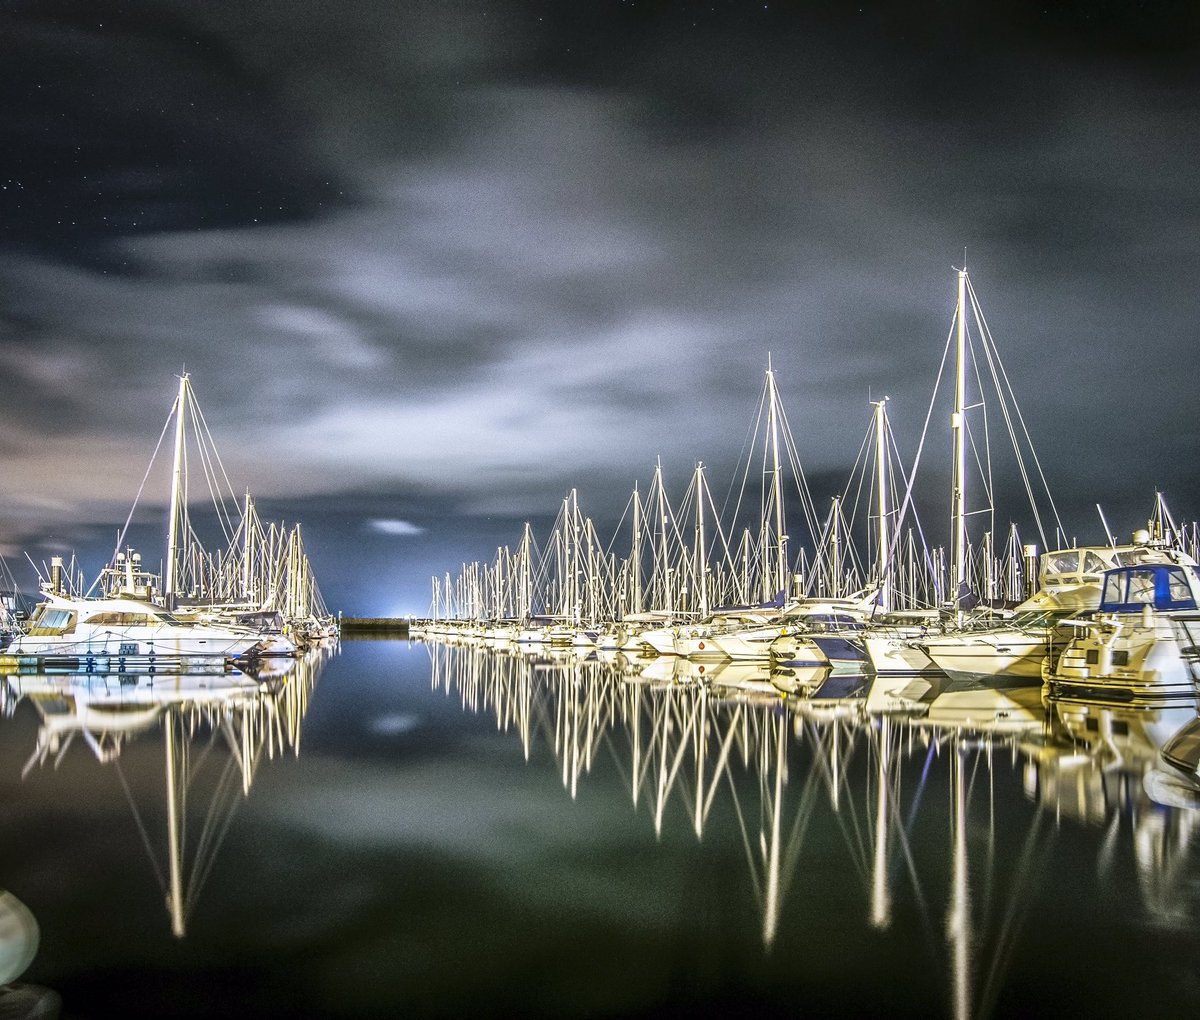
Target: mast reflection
[
  {"x": 776, "y": 752},
  {"x": 217, "y": 728}
]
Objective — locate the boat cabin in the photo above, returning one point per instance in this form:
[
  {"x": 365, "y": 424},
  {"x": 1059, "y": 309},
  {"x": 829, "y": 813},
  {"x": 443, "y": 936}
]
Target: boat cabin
[
  {"x": 1079, "y": 566},
  {"x": 1162, "y": 586}
]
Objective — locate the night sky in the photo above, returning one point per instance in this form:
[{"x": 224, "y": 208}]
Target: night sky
[{"x": 431, "y": 264}]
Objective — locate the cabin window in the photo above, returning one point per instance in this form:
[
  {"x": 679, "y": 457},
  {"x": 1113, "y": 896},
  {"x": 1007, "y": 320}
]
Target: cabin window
[
  {"x": 51, "y": 622},
  {"x": 1114, "y": 589},
  {"x": 1066, "y": 562},
  {"x": 1178, "y": 594},
  {"x": 1093, "y": 564},
  {"x": 119, "y": 620},
  {"x": 1160, "y": 586},
  {"x": 1141, "y": 588}
]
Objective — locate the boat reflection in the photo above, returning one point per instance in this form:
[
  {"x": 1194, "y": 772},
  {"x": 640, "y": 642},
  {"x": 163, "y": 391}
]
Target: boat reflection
[
  {"x": 778, "y": 752},
  {"x": 217, "y": 727}
]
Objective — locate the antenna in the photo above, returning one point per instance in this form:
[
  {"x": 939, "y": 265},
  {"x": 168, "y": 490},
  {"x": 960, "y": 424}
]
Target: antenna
[{"x": 1112, "y": 539}]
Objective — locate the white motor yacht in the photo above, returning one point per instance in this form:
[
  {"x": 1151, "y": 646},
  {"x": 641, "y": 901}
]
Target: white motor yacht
[
  {"x": 1143, "y": 647},
  {"x": 118, "y": 633}
]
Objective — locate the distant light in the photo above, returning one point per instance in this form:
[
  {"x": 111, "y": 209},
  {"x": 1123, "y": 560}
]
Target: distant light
[{"x": 391, "y": 527}]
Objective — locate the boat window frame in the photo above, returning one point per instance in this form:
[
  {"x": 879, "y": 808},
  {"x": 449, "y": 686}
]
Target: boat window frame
[
  {"x": 38, "y": 627},
  {"x": 1167, "y": 581}
]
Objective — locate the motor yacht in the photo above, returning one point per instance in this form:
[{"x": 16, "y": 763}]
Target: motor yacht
[{"x": 1142, "y": 648}]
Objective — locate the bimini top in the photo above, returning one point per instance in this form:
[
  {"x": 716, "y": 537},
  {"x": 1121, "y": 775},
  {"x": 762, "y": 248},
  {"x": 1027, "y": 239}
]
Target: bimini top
[{"x": 1163, "y": 586}]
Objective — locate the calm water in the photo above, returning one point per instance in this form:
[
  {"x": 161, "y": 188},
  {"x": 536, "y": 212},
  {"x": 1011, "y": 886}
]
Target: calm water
[{"x": 452, "y": 830}]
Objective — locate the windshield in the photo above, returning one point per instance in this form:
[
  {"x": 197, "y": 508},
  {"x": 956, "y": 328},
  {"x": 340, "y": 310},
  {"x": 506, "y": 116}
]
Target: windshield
[{"x": 1162, "y": 587}]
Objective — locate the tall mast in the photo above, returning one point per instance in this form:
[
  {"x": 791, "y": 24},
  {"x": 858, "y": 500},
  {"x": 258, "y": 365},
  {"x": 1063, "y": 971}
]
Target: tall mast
[
  {"x": 662, "y": 558},
  {"x": 635, "y": 555},
  {"x": 779, "y": 568},
  {"x": 525, "y": 605},
  {"x": 958, "y": 426},
  {"x": 835, "y": 550},
  {"x": 885, "y": 587},
  {"x": 178, "y": 495},
  {"x": 248, "y": 551},
  {"x": 701, "y": 581},
  {"x": 573, "y": 561}
]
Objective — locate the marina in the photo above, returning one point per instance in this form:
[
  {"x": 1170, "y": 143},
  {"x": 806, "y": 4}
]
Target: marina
[
  {"x": 599, "y": 510},
  {"x": 738, "y": 748},
  {"x": 857, "y": 590}
]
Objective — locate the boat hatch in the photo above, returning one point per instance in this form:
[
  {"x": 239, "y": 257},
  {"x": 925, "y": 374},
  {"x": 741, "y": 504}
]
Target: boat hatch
[{"x": 1128, "y": 589}]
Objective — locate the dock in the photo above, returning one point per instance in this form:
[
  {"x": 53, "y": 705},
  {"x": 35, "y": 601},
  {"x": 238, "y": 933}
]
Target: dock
[{"x": 374, "y": 626}]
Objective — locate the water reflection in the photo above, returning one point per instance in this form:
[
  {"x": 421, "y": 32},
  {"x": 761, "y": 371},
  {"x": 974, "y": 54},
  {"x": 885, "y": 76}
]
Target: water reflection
[
  {"x": 217, "y": 727},
  {"x": 988, "y": 773}
]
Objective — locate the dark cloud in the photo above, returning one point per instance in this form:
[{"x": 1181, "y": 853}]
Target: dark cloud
[
  {"x": 480, "y": 256},
  {"x": 125, "y": 119}
]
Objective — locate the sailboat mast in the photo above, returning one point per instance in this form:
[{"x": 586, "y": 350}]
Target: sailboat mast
[
  {"x": 248, "y": 551},
  {"x": 635, "y": 558},
  {"x": 835, "y": 550},
  {"x": 885, "y": 587},
  {"x": 958, "y": 423},
  {"x": 525, "y": 606},
  {"x": 662, "y": 558},
  {"x": 178, "y": 496},
  {"x": 701, "y": 580},
  {"x": 779, "y": 583}
]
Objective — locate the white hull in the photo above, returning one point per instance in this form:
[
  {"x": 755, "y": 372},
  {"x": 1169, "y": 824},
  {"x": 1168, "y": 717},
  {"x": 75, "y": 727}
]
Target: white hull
[
  {"x": 660, "y": 640},
  {"x": 986, "y": 655},
  {"x": 1138, "y": 662},
  {"x": 897, "y": 656},
  {"x": 135, "y": 644}
]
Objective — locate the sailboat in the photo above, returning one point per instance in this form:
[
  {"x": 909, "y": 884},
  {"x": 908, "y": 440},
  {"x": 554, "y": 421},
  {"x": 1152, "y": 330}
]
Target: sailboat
[
  {"x": 748, "y": 633},
  {"x": 900, "y": 655},
  {"x": 132, "y": 624}
]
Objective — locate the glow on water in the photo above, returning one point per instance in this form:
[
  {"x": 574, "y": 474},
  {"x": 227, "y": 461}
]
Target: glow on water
[{"x": 458, "y": 829}]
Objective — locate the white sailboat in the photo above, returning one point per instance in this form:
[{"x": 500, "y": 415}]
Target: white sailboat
[{"x": 899, "y": 654}]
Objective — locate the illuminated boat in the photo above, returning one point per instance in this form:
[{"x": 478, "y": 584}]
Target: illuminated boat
[
  {"x": 815, "y": 616},
  {"x": 1143, "y": 647},
  {"x": 121, "y": 633},
  {"x": 1069, "y": 584}
]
